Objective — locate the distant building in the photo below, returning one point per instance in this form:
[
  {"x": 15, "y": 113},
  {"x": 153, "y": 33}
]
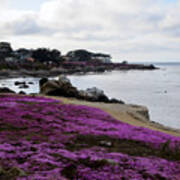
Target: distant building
[
  {"x": 23, "y": 54},
  {"x": 30, "y": 59},
  {"x": 102, "y": 58}
]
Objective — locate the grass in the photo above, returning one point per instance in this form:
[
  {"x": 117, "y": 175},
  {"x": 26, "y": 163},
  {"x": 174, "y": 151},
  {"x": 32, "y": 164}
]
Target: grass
[{"x": 130, "y": 147}]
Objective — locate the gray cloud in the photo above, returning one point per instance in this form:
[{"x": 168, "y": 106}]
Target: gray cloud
[
  {"x": 150, "y": 28},
  {"x": 26, "y": 26}
]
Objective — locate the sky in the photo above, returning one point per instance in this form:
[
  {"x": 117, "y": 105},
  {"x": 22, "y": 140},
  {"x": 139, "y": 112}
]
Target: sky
[{"x": 132, "y": 30}]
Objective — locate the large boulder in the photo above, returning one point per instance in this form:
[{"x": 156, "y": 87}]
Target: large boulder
[
  {"x": 64, "y": 79},
  {"x": 93, "y": 94},
  {"x": 97, "y": 95},
  {"x": 42, "y": 81},
  {"x": 94, "y": 91},
  {"x": 60, "y": 87},
  {"x": 48, "y": 86}
]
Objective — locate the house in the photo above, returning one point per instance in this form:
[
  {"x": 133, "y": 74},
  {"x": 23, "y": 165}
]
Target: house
[
  {"x": 104, "y": 58},
  {"x": 23, "y": 54}
]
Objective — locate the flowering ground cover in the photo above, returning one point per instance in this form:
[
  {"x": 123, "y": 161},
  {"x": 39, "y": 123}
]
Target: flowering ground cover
[{"x": 41, "y": 138}]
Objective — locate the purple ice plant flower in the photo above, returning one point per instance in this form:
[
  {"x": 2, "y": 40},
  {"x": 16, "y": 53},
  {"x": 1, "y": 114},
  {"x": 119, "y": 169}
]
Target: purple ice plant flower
[{"x": 41, "y": 138}]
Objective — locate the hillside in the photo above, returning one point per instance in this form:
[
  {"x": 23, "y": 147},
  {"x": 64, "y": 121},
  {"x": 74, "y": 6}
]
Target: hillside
[{"x": 42, "y": 138}]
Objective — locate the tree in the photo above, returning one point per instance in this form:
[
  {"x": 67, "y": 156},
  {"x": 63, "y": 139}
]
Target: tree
[{"x": 45, "y": 55}]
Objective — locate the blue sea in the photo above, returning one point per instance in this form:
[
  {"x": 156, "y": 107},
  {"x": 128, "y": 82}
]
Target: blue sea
[{"x": 159, "y": 90}]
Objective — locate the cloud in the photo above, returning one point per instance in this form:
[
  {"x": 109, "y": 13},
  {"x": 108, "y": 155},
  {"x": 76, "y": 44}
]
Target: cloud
[
  {"x": 28, "y": 25},
  {"x": 138, "y": 29}
]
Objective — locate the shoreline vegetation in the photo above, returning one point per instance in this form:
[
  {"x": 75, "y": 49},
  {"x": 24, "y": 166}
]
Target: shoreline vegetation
[
  {"x": 66, "y": 68},
  {"x": 44, "y": 62}
]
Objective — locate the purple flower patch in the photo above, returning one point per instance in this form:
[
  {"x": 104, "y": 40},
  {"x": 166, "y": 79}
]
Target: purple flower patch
[{"x": 43, "y": 139}]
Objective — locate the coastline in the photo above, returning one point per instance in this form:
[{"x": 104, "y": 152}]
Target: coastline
[
  {"x": 135, "y": 115},
  {"x": 72, "y": 69},
  {"x": 132, "y": 114}
]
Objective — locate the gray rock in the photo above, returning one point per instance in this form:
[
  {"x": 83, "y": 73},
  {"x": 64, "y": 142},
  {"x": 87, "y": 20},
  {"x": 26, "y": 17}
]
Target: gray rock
[
  {"x": 63, "y": 87},
  {"x": 24, "y": 86},
  {"x": 63, "y": 79},
  {"x": 48, "y": 86},
  {"x": 95, "y": 92},
  {"x": 17, "y": 83},
  {"x": 60, "y": 87},
  {"x": 30, "y": 83}
]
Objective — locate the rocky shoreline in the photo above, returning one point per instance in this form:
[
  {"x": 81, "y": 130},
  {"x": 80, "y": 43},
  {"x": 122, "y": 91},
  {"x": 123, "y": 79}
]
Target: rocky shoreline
[
  {"x": 132, "y": 114},
  {"x": 43, "y": 62},
  {"x": 72, "y": 68},
  {"x": 63, "y": 87}
]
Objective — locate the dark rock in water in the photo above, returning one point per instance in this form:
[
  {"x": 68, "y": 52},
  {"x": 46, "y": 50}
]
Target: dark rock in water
[
  {"x": 151, "y": 66},
  {"x": 24, "y": 86},
  {"x": 6, "y": 90},
  {"x": 22, "y": 92},
  {"x": 17, "y": 83},
  {"x": 30, "y": 83}
]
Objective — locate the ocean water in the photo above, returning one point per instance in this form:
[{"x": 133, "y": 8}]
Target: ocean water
[
  {"x": 33, "y": 88},
  {"x": 159, "y": 90}
]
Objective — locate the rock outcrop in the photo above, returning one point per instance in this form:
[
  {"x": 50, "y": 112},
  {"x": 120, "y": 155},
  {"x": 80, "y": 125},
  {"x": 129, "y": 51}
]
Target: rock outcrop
[
  {"x": 94, "y": 94},
  {"x": 63, "y": 87},
  {"x": 60, "y": 87}
]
